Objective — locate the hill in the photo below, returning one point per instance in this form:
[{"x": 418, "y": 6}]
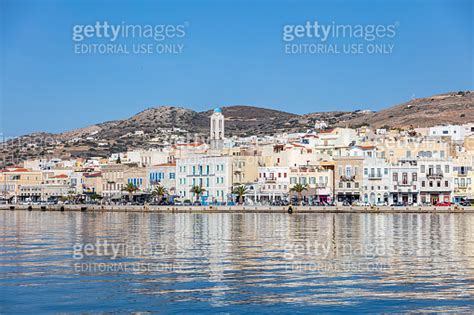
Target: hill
[{"x": 159, "y": 125}]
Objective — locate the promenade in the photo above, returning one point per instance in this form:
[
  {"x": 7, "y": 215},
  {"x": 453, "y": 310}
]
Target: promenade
[{"x": 241, "y": 209}]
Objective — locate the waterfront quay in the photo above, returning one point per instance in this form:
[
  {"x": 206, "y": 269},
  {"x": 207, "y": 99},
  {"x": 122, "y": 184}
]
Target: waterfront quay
[{"x": 242, "y": 209}]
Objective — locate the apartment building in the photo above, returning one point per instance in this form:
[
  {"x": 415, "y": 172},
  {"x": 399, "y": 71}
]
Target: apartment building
[
  {"x": 404, "y": 182},
  {"x": 273, "y": 183},
  {"x": 436, "y": 182},
  {"x": 319, "y": 181},
  {"x": 164, "y": 175},
  {"x": 349, "y": 178},
  {"x": 213, "y": 173}
]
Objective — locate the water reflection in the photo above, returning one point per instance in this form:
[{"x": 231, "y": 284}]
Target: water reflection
[{"x": 226, "y": 262}]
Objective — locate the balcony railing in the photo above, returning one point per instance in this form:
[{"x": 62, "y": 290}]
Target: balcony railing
[
  {"x": 375, "y": 176},
  {"x": 345, "y": 178},
  {"x": 434, "y": 175}
]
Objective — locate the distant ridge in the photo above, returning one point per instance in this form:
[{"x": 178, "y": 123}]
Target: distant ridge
[{"x": 241, "y": 120}]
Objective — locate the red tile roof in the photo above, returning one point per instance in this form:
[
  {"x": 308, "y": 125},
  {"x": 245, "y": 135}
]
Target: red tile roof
[
  {"x": 60, "y": 176},
  {"x": 166, "y": 164}
]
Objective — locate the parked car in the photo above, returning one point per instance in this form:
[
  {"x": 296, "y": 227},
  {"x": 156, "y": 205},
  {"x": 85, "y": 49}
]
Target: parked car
[{"x": 443, "y": 204}]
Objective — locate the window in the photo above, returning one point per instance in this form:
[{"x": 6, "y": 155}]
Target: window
[
  {"x": 356, "y": 185},
  {"x": 348, "y": 171},
  {"x": 438, "y": 183},
  {"x": 422, "y": 169},
  {"x": 292, "y": 180},
  {"x": 423, "y": 184},
  {"x": 446, "y": 183},
  {"x": 395, "y": 177},
  {"x": 366, "y": 171},
  {"x": 348, "y": 185},
  {"x": 414, "y": 177},
  {"x": 172, "y": 175},
  {"x": 340, "y": 185},
  {"x": 446, "y": 168},
  {"x": 404, "y": 178}
]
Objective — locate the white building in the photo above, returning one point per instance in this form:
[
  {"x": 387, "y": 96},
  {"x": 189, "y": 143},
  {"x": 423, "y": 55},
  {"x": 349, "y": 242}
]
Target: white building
[
  {"x": 457, "y": 133},
  {"x": 404, "y": 182},
  {"x": 436, "y": 180},
  {"x": 273, "y": 183},
  {"x": 376, "y": 180},
  {"x": 213, "y": 173}
]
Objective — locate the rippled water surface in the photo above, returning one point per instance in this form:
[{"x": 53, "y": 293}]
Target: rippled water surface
[{"x": 78, "y": 262}]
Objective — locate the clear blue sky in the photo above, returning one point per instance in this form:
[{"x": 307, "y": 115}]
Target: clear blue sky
[{"x": 233, "y": 55}]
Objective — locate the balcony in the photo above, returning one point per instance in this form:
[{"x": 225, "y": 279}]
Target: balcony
[
  {"x": 347, "y": 178},
  {"x": 462, "y": 174},
  {"x": 375, "y": 176},
  {"x": 434, "y": 175}
]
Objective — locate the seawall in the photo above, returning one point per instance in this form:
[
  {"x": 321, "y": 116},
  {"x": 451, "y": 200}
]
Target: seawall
[{"x": 241, "y": 209}]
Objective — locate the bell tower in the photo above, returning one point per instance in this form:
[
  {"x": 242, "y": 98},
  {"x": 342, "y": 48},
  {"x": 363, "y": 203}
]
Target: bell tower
[{"x": 217, "y": 129}]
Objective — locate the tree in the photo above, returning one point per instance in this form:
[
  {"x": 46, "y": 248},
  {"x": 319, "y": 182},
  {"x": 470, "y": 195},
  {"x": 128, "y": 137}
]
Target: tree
[
  {"x": 299, "y": 188},
  {"x": 159, "y": 192},
  {"x": 130, "y": 188},
  {"x": 198, "y": 191},
  {"x": 240, "y": 191}
]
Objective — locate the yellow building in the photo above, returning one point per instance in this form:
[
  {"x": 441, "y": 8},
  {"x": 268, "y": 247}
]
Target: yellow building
[
  {"x": 12, "y": 179},
  {"x": 463, "y": 177}
]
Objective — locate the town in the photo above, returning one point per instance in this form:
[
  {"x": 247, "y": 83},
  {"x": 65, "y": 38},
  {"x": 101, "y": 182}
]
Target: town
[{"x": 323, "y": 166}]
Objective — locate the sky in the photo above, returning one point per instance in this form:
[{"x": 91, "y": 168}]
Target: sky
[{"x": 233, "y": 54}]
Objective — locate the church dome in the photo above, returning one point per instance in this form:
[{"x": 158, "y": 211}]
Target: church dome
[{"x": 217, "y": 110}]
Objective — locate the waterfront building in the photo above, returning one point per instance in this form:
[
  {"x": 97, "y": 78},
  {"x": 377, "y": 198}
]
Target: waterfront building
[
  {"x": 113, "y": 180},
  {"x": 349, "y": 178},
  {"x": 319, "y": 181},
  {"x": 92, "y": 183},
  {"x": 404, "y": 182},
  {"x": 213, "y": 173},
  {"x": 376, "y": 178},
  {"x": 13, "y": 178},
  {"x": 463, "y": 178},
  {"x": 163, "y": 175},
  {"x": 273, "y": 184},
  {"x": 435, "y": 179}
]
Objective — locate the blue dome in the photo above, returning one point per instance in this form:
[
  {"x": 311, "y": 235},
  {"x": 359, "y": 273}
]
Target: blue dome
[{"x": 217, "y": 110}]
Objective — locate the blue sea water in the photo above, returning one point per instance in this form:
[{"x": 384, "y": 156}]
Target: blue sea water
[{"x": 53, "y": 262}]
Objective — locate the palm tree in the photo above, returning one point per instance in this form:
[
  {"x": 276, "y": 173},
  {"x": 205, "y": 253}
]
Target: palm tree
[
  {"x": 160, "y": 192},
  {"x": 130, "y": 188},
  {"x": 299, "y": 188},
  {"x": 240, "y": 191},
  {"x": 197, "y": 190}
]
